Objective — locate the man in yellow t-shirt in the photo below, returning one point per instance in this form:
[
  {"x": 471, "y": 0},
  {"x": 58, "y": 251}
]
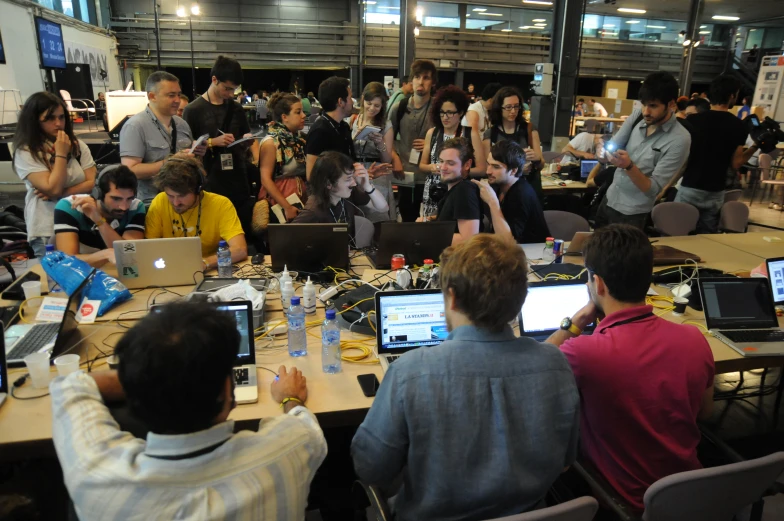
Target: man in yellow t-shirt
[{"x": 183, "y": 209}]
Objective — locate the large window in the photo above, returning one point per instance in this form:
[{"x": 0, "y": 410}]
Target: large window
[{"x": 79, "y": 9}]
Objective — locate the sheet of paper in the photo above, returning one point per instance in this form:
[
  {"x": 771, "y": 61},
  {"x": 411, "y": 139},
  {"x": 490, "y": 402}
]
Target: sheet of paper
[
  {"x": 257, "y": 135},
  {"x": 52, "y": 309},
  {"x": 198, "y": 142}
]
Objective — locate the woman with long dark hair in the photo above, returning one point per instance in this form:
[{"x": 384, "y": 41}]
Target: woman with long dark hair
[{"x": 51, "y": 161}]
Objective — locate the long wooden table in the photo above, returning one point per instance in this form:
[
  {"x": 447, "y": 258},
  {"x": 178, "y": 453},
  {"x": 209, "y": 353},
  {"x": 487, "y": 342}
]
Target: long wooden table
[{"x": 754, "y": 243}]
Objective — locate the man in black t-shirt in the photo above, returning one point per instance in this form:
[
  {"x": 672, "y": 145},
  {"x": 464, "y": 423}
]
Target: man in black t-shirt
[
  {"x": 217, "y": 114},
  {"x": 461, "y": 203},
  {"x": 330, "y": 132},
  {"x": 717, "y": 145},
  {"x": 515, "y": 212}
]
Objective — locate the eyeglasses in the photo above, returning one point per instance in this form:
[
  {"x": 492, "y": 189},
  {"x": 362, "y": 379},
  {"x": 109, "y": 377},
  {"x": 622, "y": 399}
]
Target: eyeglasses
[
  {"x": 447, "y": 113},
  {"x": 511, "y": 108}
]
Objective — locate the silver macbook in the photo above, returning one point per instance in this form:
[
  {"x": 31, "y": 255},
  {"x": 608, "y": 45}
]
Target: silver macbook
[
  {"x": 740, "y": 313},
  {"x": 548, "y": 303},
  {"x": 158, "y": 262},
  {"x": 776, "y": 276},
  {"x": 406, "y": 320}
]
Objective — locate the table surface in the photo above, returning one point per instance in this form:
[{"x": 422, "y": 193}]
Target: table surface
[
  {"x": 753, "y": 243},
  {"x": 25, "y": 426}
]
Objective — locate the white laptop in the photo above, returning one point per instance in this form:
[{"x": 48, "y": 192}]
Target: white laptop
[
  {"x": 158, "y": 262},
  {"x": 740, "y": 313},
  {"x": 246, "y": 388},
  {"x": 406, "y": 320},
  {"x": 548, "y": 303}
]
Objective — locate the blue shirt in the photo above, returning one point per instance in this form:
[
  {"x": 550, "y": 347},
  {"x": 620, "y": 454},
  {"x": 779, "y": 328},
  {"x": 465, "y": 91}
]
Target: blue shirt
[
  {"x": 744, "y": 111},
  {"x": 480, "y": 426}
]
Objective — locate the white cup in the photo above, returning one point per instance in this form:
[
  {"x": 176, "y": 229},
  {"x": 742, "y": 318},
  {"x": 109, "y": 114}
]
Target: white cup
[
  {"x": 32, "y": 289},
  {"x": 66, "y": 364},
  {"x": 38, "y": 367}
]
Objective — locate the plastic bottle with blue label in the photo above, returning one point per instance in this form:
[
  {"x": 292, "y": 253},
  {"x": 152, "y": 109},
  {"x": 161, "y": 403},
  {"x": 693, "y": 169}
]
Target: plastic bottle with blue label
[
  {"x": 50, "y": 282},
  {"x": 330, "y": 344},
  {"x": 224, "y": 260},
  {"x": 298, "y": 345}
]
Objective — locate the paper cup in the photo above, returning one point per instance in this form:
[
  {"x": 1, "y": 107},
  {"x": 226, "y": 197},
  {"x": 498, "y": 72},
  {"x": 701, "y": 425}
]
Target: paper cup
[
  {"x": 38, "y": 367},
  {"x": 66, "y": 364},
  {"x": 680, "y": 305},
  {"x": 32, "y": 289}
]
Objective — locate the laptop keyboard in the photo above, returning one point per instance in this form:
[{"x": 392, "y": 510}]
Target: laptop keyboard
[
  {"x": 755, "y": 335},
  {"x": 35, "y": 339},
  {"x": 392, "y": 358},
  {"x": 241, "y": 376}
]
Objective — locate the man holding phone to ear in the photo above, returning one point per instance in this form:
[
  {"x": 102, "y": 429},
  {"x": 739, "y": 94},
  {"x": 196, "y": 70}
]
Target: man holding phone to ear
[{"x": 648, "y": 151}]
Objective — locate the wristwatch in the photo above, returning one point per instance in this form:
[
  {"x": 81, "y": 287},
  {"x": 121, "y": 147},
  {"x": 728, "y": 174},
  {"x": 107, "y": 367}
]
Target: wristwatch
[{"x": 567, "y": 325}]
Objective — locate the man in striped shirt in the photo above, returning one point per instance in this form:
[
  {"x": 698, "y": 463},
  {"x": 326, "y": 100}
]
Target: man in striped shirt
[{"x": 176, "y": 376}]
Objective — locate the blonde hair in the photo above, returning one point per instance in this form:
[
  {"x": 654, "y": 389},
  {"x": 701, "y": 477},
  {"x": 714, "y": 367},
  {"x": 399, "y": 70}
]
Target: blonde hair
[{"x": 489, "y": 277}]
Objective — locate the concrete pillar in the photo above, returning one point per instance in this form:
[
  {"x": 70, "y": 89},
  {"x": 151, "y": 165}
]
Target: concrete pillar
[
  {"x": 689, "y": 51},
  {"x": 407, "y": 48},
  {"x": 565, "y": 55}
]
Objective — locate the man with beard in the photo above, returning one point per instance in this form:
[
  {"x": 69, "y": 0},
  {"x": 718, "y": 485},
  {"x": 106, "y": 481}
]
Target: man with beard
[
  {"x": 644, "y": 381},
  {"x": 504, "y": 406},
  {"x": 111, "y": 213},
  {"x": 185, "y": 209},
  {"x": 648, "y": 151}
]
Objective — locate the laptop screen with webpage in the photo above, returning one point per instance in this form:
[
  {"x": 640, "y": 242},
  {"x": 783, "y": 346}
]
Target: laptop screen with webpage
[
  {"x": 409, "y": 319},
  {"x": 548, "y": 303},
  {"x": 586, "y": 165},
  {"x": 737, "y": 303},
  {"x": 776, "y": 276}
]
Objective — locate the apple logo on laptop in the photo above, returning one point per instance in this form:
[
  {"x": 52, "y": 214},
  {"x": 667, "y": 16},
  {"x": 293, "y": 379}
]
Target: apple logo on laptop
[{"x": 160, "y": 263}]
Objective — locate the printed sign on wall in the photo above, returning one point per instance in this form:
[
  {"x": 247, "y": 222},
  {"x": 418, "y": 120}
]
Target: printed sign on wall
[{"x": 96, "y": 58}]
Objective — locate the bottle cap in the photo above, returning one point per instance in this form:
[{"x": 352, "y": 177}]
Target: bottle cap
[
  {"x": 428, "y": 261},
  {"x": 550, "y": 239},
  {"x": 330, "y": 314},
  {"x": 295, "y": 301},
  {"x": 49, "y": 247},
  {"x": 222, "y": 244}
]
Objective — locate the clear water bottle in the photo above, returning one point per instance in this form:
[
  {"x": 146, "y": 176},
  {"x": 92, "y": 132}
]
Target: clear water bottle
[
  {"x": 330, "y": 344},
  {"x": 548, "y": 255},
  {"x": 50, "y": 282},
  {"x": 298, "y": 342},
  {"x": 224, "y": 260}
]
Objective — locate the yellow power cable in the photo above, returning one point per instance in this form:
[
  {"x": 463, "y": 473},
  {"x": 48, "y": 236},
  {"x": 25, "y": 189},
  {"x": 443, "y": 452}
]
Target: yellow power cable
[
  {"x": 701, "y": 326},
  {"x": 20, "y": 313}
]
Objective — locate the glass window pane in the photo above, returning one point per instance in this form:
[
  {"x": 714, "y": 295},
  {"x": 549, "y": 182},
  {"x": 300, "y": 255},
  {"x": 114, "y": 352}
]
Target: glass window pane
[
  {"x": 773, "y": 38},
  {"x": 439, "y": 15},
  {"x": 755, "y": 38},
  {"x": 610, "y": 27},
  {"x": 383, "y": 12}
]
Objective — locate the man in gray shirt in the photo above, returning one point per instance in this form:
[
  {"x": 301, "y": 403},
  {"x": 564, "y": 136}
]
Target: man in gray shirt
[
  {"x": 411, "y": 119},
  {"x": 150, "y": 136},
  {"x": 481, "y": 425},
  {"x": 648, "y": 151}
]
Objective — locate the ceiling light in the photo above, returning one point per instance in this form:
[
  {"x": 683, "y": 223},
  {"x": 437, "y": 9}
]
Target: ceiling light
[
  {"x": 525, "y": 27},
  {"x": 752, "y": 30},
  {"x": 608, "y": 25},
  {"x": 728, "y": 18},
  {"x": 656, "y": 26},
  {"x": 703, "y": 27},
  {"x": 697, "y": 43},
  {"x": 538, "y": 20},
  {"x": 686, "y": 43},
  {"x": 538, "y": 2},
  {"x": 195, "y": 9},
  {"x": 540, "y": 25},
  {"x": 705, "y": 32},
  {"x": 632, "y": 21},
  {"x": 506, "y": 30},
  {"x": 627, "y": 10},
  {"x": 479, "y": 10},
  {"x": 369, "y": 2},
  {"x": 491, "y": 14},
  {"x": 180, "y": 11}
]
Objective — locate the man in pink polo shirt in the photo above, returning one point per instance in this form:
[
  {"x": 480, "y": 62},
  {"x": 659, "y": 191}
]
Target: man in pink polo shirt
[{"x": 643, "y": 381}]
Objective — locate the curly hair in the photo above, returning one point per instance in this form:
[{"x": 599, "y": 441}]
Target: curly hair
[
  {"x": 451, "y": 94},
  {"x": 496, "y": 113},
  {"x": 181, "y": 173}
]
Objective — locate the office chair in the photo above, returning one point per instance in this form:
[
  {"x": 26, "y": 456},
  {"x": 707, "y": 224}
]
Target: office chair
[
  {"x": 673, "y": 219},
  {"x": 563, "y": 225},
  {"x": 734, "y": 217}
]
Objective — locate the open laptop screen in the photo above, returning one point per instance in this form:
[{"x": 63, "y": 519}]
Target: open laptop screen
[
  {"x": 737, "y": 303},
  {"x": 547, "y": 304},
  {"x": 586, "y": 165},
  {"x": 776, "y": 275},
  {"x": 409, "y": 319}
]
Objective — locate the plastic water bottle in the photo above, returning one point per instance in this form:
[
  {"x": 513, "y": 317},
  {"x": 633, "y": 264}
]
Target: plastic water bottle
[
  {"x": 50, "y": 282},
  {"x": 309, "y": 297},
  {"x": 298, "y": 345},
  {"x": 224, "y": 260},
  {"x": 286, "y": 292},
  {"x": 330, "y": 344},
  {"x": 548, "y": 255}
]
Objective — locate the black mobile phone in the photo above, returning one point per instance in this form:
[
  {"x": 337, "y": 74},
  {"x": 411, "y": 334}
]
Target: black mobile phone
[
  {"x": 369, "y": 384},
  {"x": 14, "y": 291}
]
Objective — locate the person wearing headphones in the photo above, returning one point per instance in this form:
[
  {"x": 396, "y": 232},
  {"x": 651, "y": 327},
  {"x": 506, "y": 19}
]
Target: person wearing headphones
[
  {"x": 93, "y": 222},
  {"x": 184, "y": 209}
]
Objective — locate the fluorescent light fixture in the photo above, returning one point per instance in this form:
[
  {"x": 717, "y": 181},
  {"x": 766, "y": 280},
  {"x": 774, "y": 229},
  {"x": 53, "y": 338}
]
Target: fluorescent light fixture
[
  {"x": 752, "y": 30},
  {"x": 538, "y": 20},
  {"x": 608, "y": 25},
  {"x": 369, "y": 2},
  {"x": 195, "y": 9},
  {"x": 491, "y": 14},
  {"x": 728, "y": 18},
  {"x": 704, "y": 32},
  {"x": 540, "y": 25},
  {"x": 703, "y": 27},
  {"x": 537, "y": 2},
  {"x": 525, "y": 27},
  {"x": 634, "y": 11},
  {"x": 479, "y": 9},
  {"x": 632, "y": 21},
  {"x": 180, "y": 11},
  {"x": 506, "y": 30},
  {"x": 656, "y": 26}
]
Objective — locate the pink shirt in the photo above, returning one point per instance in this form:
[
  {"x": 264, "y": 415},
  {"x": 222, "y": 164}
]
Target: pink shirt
[{"x": 641, "y": 381}]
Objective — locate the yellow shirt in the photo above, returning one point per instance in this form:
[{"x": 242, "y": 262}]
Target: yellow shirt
[{"x": 218, "y": 221}]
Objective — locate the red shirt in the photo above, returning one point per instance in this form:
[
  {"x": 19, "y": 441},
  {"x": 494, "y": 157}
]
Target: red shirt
[{"x": 641, "y": 385}]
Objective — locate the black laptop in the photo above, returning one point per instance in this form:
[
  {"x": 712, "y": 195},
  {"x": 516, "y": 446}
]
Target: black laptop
[
  {"x": 308, "y": 247},
  {"x": 416, "y": 241}
]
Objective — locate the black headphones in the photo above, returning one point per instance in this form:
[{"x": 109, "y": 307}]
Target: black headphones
[
  {"x": 202, "y": 180},
  {"x": 97, "y": 193}
]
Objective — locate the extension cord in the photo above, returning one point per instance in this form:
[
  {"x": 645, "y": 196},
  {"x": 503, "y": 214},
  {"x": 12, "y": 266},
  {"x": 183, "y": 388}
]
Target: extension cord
[
  {"x": 274, "y": 327},
  {"x": 328, "y": 293}
]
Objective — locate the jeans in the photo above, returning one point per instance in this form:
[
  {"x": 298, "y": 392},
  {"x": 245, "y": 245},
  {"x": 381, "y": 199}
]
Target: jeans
[
  {"x": 606, "y": 215},
  {"x": 708, "y": 203},
  {"x": 38, "y": 244}
]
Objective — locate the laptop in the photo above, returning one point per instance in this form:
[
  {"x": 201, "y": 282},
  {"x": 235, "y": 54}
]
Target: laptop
[
  {"x": 3, "y": 372},
  {"x": 308, "y": 247},
  {"x": 246, "y": 388},
  {"x": 24, "y": 339},
  {"x": 740, "y": 313},
  {"x": 586, "y": 165},
  {"x": 407, "y": 320},
  {"x": 577, "y": 243},
  {"x": 158, "y": 262},
  {"x": 548, "y": 303},
  {"x": 776, "y": 276},
  {"x": 416, "y": 241}
]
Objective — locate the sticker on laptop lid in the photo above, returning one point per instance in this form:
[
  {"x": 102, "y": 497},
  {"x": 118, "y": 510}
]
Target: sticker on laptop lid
[
  {"x": 127, "y": 264},
  {"x": 88, "y": 311}
]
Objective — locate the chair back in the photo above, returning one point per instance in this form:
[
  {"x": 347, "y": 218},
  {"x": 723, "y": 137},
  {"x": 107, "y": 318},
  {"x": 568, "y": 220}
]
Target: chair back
[
  {"x": 549, "y": 157},
  {"x": 363, "y": 231},
  {"x": 712, "y": 494},
  {"x": 675, "y": 218},
  {"x": 580, "y": 509},
  {"x": 563, "y": 225},
  {"x": 67, "y": 99},
  {"x": 590, "y": 125},
  {"x": 734, "y": 217},
  {"x": 732, "y": 195}
]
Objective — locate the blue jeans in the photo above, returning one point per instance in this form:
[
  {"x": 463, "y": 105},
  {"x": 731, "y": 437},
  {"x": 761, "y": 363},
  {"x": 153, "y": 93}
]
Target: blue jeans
[{"x": 708, "y": 203}]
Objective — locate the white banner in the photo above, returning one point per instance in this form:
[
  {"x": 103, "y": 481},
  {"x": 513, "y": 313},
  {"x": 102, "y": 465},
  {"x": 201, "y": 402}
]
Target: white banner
[{"x": 95, "y": 58}]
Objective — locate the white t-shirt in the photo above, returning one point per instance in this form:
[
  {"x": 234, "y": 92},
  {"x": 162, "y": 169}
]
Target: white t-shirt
[
  {"x": 584, "y": 142},
  {"x": 598, "y": 108},
  {"x": 483, "y": 121},
  {"x": 39, "y": 214}
]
